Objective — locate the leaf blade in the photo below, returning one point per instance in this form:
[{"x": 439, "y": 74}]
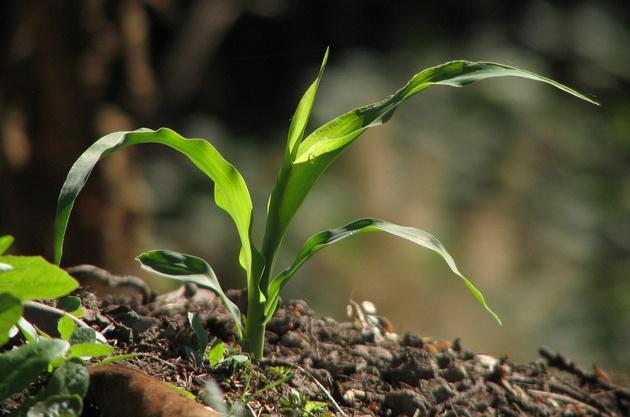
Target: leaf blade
[
  {"x": 230, "y": 192},
  {"x": 188, "y": 268},
  {"x": 5, "y": 243},
  {"x": 325, "y": 238},
  {"x": 21, "y": 366},
  {"x": 32, "y": 277}
]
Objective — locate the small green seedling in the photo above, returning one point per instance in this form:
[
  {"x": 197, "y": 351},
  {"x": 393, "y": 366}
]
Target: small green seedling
[
  {"x": 23, "y": 279},
  {"x": 305, "y": 160}
]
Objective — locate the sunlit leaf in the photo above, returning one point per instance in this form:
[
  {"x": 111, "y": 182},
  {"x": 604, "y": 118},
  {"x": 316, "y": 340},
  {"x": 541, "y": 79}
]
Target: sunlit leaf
[
  {"x": 34, "y": 278},
  {"x": 66, "y": 327},
  {"x": 322, "y": 239},
  {"x": 5, "y": 243},
  {"x": 319, "y": 149},
  {"x": 188, "y": 268},
  {"x": 230, "y": 191},
  {"x": 92, "y": 350}
]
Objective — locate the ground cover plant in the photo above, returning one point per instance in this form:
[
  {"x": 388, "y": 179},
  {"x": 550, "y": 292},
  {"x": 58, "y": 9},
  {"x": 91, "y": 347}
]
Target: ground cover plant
[
  {"x": 22, "y": 280},
  {"x": 305, "y": 160}
]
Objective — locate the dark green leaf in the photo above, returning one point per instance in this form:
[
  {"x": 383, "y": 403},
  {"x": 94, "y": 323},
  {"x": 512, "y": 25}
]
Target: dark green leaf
[
  {"x": 69, "y": 303},
  {"x": 5, "y": 243},
  {"x": 322, "y": 239},
  {"x": 21, "y": 366},
  {"x": 34, "y": 278},
  {"x": 70, "y": 378},
  {"x": 57, "y": 406},
  {"x": 200, "y": 332},
  {"x": 83, "y": 335},
  {"x": 188, "y": 268},
  {"x": 10, "y": 313}
]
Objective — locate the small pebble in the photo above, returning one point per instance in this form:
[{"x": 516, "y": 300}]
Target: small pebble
[{"x": 443, "y": 393}]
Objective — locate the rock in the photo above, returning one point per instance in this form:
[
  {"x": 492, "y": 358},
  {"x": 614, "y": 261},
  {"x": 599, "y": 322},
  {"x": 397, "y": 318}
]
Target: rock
[
  {"x": 443, "y": 393},
  {"x": 406, "y": 402},
  {"x": 454, "y": 373}
]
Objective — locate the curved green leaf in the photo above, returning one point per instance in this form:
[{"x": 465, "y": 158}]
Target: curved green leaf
[
  {"x": 322, "y": 239},
  {"x": 317, "y": 151},
  {"x": 188, "y": 268},
  {"x": 32, "y": 277},
  {"x": 230, "y": 190},
  {"x": 21, "y": 366},
  {"x": 10, "y": 313}
]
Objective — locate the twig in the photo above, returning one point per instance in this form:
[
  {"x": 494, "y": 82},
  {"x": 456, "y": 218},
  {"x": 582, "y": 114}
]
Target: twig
[
  {"x": 566, "y": 399},
  {"x": 324, "y": 390}
]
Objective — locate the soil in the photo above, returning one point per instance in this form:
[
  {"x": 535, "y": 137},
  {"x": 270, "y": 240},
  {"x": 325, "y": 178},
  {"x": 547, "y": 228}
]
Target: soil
[{"x": 357, "y": 368}]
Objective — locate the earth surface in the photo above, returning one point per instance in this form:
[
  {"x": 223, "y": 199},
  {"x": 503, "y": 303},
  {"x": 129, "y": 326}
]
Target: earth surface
[{"x": 317, "y": 366}]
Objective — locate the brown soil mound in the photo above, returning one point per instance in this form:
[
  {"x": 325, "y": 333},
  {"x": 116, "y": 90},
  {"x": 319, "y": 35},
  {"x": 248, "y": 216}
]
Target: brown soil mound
[{"x": 358, "y": 368}]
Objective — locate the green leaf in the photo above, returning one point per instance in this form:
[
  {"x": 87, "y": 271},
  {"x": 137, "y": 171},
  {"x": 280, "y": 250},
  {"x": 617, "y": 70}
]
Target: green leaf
[
  {"x": 21, "y": 366},
  {"x": 275, "y": 225},
  {"x": 5, "y": 243},
  {"x": 28, "y": 331},
  {"x": 120, "y": 358},
  {"x": 69, "y": 303},
  {"x": 317, "y": 151},
  {"x": 71, "y": 378},
  {"x": 57, "y": 406},
  {"x": 66, "y": 327},
  {"x": 83, "y": 335},
  {"x": 92, "y": 350},
  {"x": 34, "y": 278},
  {"x": 180, "y": 391},
  {"x": 322, "y": 239},
  {"x": 200, "y": 332},
  {"x": 216, "y": 353},
  {"x": 230, "y": 190},
  {"x": 10, "y": 313},
  {"x": 188, "y": 268}
]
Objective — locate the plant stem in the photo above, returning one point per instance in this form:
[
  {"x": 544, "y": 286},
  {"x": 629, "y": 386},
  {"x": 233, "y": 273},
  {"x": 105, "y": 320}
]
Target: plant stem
[{"x": 254, "y": 341}]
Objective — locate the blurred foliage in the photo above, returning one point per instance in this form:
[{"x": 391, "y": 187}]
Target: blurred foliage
[{"x": 530, "y": 189}]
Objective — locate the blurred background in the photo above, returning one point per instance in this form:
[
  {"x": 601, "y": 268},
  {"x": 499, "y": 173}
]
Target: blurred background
[{"x": 529, "y": 188}]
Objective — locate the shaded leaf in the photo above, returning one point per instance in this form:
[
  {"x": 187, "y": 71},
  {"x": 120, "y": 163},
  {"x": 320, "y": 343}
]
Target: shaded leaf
[
  {"x": 69, "y": 303},
  {"x": 66, "y": 327},
  {"x": 188, "y": 268},
  {"x": 21, "y": 366},
  {"x": 10, "y": 313},
  {"x": 322, "y": 239},
  {"x": 200, "y": 332},
  {"x": 57, "y": 406},
  {"x": 83, "y": 335}
]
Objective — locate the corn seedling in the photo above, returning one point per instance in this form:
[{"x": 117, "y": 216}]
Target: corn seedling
[{"x": 305, "y": 160}]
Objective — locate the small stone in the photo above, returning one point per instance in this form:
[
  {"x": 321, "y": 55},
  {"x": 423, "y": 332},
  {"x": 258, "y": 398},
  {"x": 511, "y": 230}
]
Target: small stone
[
  {"x": 293, "y": 339},
  {"x": 443, "y": 393},
  {"x": 410, "y": 339},
  {"x": 454, "y": 373},
  {"x": 444, "y": 359},
  {"x": 406, "y": 402}
]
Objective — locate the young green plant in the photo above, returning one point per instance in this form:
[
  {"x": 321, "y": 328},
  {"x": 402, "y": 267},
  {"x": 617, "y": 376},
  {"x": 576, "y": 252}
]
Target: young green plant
[{"x": 305, "y": 160}]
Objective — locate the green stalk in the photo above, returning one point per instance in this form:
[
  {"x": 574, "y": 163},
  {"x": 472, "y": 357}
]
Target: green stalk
[{"x": 254, "y": 341}]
